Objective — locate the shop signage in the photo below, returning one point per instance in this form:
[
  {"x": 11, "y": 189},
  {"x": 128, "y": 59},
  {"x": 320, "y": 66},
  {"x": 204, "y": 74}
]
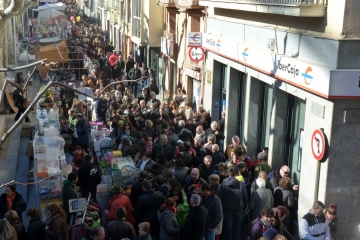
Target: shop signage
[
  {"x": 310, "y": 77},
  {"x": 194, "y": 39},
  {"x": 165, "y": 46},
  {"x": 77, "y": 205},
  {"x": 196, "y": 54},
  {"x": 318, "y": 144},
  {"x": 191, "y": 73}
]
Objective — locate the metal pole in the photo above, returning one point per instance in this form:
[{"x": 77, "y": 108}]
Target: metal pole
[
  {"x": 18, "y": 122},
  {"x": 23, "y": 67}
]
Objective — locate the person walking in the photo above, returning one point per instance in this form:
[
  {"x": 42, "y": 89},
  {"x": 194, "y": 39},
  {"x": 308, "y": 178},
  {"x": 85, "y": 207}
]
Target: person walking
[
  {"x": 56, "y": 225},
  {"x": 12, "y": 200},
  {"x": 89, "y": 178},
  {"x": 36, "y": 228},
  {"x": 68, "y": 193},
  {"x": 169, "y": 228},
  {"x": 19, "y": 102}
]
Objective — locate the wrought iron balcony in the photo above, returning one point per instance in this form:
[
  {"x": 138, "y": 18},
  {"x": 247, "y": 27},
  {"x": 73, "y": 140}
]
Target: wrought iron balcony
[{"x": 299, "y": 8}]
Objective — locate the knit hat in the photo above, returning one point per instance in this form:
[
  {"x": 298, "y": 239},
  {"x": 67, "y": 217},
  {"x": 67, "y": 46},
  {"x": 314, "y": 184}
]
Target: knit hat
[
  {"x": 214, "y": 177},
  {"x": 116, "y": 189},
  {"x": 270, "y": 234},
  {"x": 241, "y": 164},
  {"x": 262, "y": 156}
]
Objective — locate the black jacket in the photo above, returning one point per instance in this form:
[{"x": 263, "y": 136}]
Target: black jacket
[
  {"x": 215, "y": 214},
  {"x": 129, "y": 65},
  {"x": 167, "y": 150},
  {"x": 20, "y": 229},
  {"x": 185, "y": 133},
  {"x": 139, "y": 145},
  {"x": 195, "y": 223},
  {"x": 233, "y": 195},
  {"x": 120, "y": 229},
  {"x": 200, "y": 154},
  {"x": 217, "y": 157},
  {"x": 134, "y": 74},
  {"x": 86, "y": 182},
  {"x": 275, "y": 178},
  {"x": 68, "y": 192},
  {"x": 36, "y": 230},
  {"x": 136, "y": 192},
  {"x": 147, "y": 207},
  {"x": 204, "y": 171},
  {"x": 19, "y": 205},
  {"x": 188, "y": 182}
]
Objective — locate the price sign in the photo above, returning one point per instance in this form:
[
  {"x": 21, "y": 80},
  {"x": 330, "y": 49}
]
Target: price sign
[{"x": 77, "y": 205}]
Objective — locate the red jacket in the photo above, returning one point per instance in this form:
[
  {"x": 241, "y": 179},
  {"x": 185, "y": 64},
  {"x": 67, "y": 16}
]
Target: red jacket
[
  {"x": 113, "y": 59},
  {"x": 120, "y": 200}
]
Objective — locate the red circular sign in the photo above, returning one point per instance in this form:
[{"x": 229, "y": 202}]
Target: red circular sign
[
  {"x": 196, "y": 54},
  {"x": 318, "y": 144}
]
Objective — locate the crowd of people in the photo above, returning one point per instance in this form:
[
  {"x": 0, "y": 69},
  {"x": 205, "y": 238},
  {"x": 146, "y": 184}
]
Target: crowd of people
[{"x": 190, "y": 185}]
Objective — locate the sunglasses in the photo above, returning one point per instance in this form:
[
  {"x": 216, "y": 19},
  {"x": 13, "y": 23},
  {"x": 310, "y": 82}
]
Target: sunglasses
[{"x": 287, "y": 173}]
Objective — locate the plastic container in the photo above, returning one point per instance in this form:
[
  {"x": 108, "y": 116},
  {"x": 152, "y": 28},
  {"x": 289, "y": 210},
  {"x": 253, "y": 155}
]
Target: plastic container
[{"x": 117, "y": 153}]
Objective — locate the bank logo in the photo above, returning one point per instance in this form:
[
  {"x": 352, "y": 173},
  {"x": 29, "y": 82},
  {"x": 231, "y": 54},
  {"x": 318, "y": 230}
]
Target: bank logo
[
  {"x": 196, "y": 37},
  {"x": 307, "y": 77},
  {"x": 218, "y": 45},
  {"x": 245, "y": 54}
]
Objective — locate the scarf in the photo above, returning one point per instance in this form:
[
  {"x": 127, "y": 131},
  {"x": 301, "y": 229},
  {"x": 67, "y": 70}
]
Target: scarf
[
  {"x": 10, "y": 201},
  {"x": 171, "y": 209}
]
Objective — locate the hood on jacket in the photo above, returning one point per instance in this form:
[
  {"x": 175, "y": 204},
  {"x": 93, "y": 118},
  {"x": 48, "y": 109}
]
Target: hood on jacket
[
  {"x": 164, "y": 215},
  {"x": 231, "y": 182},
  {"x": 67, "y": 182}
]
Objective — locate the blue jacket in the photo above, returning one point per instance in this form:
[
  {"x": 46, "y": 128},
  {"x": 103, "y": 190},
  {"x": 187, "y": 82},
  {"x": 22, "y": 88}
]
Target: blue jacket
[{"x": 82, "y": 129}]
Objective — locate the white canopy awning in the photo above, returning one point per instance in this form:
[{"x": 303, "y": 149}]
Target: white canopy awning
[
  {"x": 55, "y": 6},
  {"x": 48, "y": 14}
]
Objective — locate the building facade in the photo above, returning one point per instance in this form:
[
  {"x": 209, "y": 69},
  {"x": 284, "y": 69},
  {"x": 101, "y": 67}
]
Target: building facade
[
  {"x": 134, "y": 27},
  {"x": 176, "y": 69},
  {"x": 287, "y": 73}
]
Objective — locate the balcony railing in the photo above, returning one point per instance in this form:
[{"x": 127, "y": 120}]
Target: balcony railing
[
  {"x": 187, "y": 3},
  {"x": 283, "y": 2},
  {"x": 166, "y": 1},
  {"x": 298, "y": 8}
]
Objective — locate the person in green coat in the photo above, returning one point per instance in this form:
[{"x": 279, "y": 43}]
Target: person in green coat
[{"x": 182, "y": 206}]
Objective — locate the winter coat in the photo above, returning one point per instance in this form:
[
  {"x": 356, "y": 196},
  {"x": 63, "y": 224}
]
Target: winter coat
[
  {"x": 256, "y": 231},
  {"x": 134, "y": 74},
  {"x": 217, "y": 157},
  {"x": 129, "y": 65},
  {"x": 19, "y": 100},
  {"x": 120, "y": 229},
  {"x": 57, "y": 227},
  {"x": 107, "y": 70},
  {"x": 153, "y": 88},
  {"x": 180, "y": 174},
  {"x": 68, "y": 192},
  {"x": 147, "y": 166},
  {"x": 181, "y": 215},
  {"x": 185, "y": 133},
  {"x": 82, "y": 130},
  {"x": 172, "y": 139},
  {"x": 18, "y": 205},
  {"x": 195, "y": 223},
  {"x": 136, "y": 192},
  {"x": 167, "y": 150},
  {"x": 86, "y": 182},
  {"x": 254, "y": 186},
  {"x": 260, "y": 198},
  {"x": 36, "y": 230},
  {"x": 169, "y": 228},
  {"x": 262, "y": 166},
  {"x": 204, "y": 171},
  {"x": 275, "y": 179},
  {"x": 115, "y": 203},
  {"x": 283, "y": 197},
  {"x": 147, "y": 207},
  {"x": 214, "y": 208},
  {"x": 145, "y": 237},
  {"x": 233, "y": 195},
  {"x": 189, "y": 181},
  {"x": 139, "y": 145},
  {"x": 20, "y": 229}
]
